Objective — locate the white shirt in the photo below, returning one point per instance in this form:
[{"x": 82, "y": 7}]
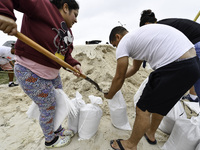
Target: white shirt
[
  {"x": 157, "y": 44},
  {"x": 5, "y": 55}
]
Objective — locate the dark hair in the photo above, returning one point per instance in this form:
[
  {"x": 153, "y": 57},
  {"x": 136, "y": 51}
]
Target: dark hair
[
  {"x": 72, "y": 4},
  {"x": 147, "y": 16},
  {"x": 117, "y": 30}
]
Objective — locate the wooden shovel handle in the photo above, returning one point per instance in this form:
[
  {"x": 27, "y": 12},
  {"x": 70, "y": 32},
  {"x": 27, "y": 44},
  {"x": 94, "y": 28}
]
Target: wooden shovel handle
[{"x": 44, "y": 51}]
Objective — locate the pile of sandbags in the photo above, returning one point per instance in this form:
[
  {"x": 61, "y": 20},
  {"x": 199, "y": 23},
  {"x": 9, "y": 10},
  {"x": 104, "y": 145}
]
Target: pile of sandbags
[
  {"x": 65, "y": 105},
  {"x": 185, "y": 135},
  {"x": 87, "y": 121},
  {"x": 82, "y": 118}
]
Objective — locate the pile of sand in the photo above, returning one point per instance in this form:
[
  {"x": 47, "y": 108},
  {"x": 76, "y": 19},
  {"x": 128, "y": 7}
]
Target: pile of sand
[{"x": 98, "y": 63}]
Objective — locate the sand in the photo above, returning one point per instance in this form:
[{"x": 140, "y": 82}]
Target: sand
[{"x": 18, "y": 132}]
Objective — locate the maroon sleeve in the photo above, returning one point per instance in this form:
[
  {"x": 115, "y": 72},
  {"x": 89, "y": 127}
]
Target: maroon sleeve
[
  {"x": 7, "y": 8},
  {"x": 25, "y": 6}
]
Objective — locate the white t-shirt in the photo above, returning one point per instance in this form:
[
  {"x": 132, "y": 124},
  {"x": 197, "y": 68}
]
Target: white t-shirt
[
  {"x": 157, "y": 44},
  {"x": 5, "y": 55}
]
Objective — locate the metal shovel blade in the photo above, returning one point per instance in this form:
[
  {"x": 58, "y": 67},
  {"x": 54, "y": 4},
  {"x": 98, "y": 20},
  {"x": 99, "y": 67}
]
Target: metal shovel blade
[{"x": 96, "y": 85}]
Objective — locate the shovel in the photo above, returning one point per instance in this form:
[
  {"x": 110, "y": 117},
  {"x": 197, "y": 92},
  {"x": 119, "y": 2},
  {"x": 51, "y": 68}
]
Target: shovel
[{"x": 42, "y": 50}]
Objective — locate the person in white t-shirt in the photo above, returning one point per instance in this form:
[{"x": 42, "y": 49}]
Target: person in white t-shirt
[
  {"x": 6, "y": 62},
  {"x": 172, "y": 57}
]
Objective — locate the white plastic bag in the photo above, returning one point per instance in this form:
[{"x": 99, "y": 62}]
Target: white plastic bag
[
  {"x": 64, "y": 107},
  {"x": 118, "y": 113},
  {"x": 198, "y": 147},
  {"x": 193, "y": 106},
  {"x": 168, "y": 121},
  {"x": 33, "y": 111},
  {"x": 89, "y": 119},
  {"x": 73, "y": 120},
  {"x": 185, "y": 135}
]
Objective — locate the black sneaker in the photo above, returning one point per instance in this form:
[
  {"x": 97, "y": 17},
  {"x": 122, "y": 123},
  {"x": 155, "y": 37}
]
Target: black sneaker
[{"x": 12, "y": 84}]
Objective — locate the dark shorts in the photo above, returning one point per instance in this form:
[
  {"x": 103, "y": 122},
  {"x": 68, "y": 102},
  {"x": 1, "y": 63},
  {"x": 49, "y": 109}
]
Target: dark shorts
[{"x": 168, "y": 84}]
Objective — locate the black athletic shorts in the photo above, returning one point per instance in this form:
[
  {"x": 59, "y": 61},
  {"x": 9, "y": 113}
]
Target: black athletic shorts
[{"x": 168, "y": 84}]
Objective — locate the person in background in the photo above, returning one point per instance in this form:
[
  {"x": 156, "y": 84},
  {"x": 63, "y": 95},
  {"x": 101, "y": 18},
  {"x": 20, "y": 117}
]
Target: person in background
[
  {"x": 191, "y": 29},
  {"x": 7, "y": 59},
  {"x": 48, "y": 23},
  {"x": 176, "y": 68}
]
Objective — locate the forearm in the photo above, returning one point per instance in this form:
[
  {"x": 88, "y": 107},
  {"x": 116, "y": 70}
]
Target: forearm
[
  {"x": 116, "y": 85},
  {"x": 134, "y": 68},
  {"x": 131, "y": 71}
]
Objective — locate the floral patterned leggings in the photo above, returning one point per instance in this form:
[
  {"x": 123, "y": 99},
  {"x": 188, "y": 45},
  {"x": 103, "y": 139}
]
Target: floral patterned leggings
[{"x": 41, "y": 91}]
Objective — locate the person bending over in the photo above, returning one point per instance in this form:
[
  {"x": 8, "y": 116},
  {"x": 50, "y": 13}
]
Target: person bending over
[{"x": 176, "y": 68}]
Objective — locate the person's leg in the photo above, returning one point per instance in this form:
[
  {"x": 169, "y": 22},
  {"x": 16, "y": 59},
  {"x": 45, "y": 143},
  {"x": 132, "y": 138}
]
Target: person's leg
[
  {"x": 41, "y": 92},
  {"x": 57, "y": 83},
  {"x": 8, "y": 67},
  {"x": 47, "y": 111},
  {"x": 10, "y": 77},
  {"x": 141, "y": 125},
  {"x": 155, "y": 122},
  {"x": 191, "y": 96},
  {"x": 192, "y": 91}
]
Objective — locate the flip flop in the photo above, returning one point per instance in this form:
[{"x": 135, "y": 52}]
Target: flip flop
[
  {"x": 119, "y": 144},
  {"x": 149, "y": 141}
]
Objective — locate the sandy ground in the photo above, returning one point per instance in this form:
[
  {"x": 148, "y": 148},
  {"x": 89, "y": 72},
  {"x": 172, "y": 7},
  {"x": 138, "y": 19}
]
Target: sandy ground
[{"x": 18, "y": 132}]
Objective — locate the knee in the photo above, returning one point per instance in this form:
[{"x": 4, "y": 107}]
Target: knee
[{"x": 140, "y": 112}]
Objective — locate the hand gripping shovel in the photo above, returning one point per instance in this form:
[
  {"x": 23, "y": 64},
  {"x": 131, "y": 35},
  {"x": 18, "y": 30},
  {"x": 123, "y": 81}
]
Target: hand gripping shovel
[{"x": 42, "y": 50}]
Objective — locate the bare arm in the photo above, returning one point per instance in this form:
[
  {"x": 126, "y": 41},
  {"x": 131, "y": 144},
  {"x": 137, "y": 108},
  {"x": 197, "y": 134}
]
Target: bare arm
[
  {"x": 134, "y": 68},
  {"x": 118, "y": 80}
]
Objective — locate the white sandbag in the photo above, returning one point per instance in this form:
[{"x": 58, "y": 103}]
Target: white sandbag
[
  {"x": 118, "y": 113},
  {"x": 198, "y": 147},
  {"x": 168, "y": 121},
  {"x": 139, "y": 91},
  {"x": 64, "y": 107},
  {"x": 185, "y": 135},
  {"x": 89, "y": 118},
  {"x": 193, "y": 106},
  {"x": 33, "y": 111},
  {"x": 72, "y": 122}
]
